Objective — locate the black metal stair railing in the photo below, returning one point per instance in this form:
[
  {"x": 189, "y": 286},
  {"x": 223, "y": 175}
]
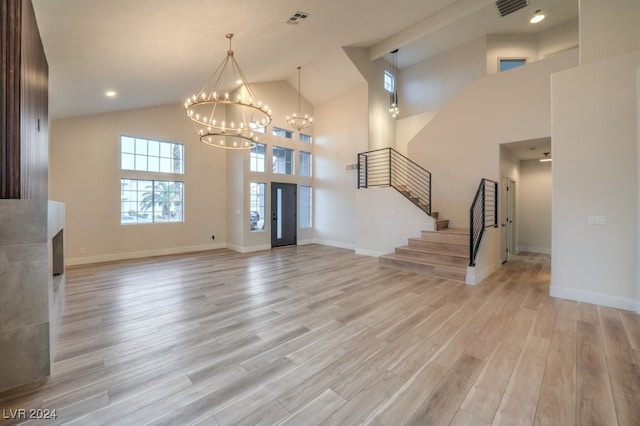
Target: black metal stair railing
[
  {"x": 387, "y": 167},
  {"x": 483, "y": 214}
]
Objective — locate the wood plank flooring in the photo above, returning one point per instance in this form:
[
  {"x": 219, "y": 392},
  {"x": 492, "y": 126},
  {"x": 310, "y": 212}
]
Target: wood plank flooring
[{"x": 318, "y": 335}]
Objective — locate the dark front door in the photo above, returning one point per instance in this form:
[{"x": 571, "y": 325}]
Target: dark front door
[{"x": 284, "y": 222}]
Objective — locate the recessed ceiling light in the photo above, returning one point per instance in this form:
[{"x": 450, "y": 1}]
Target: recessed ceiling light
[
  {"x": 110, "y": 93},
  {"x": 537, "y": 17}
]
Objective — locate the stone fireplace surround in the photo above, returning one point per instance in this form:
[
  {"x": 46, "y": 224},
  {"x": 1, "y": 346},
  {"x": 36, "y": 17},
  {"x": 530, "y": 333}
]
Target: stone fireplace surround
[{"x": 31, "y": 288}]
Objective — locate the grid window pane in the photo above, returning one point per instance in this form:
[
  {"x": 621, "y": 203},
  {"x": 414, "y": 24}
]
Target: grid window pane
[
  {"x": 257, "y": 158},
  {"x": 283, "y": 133},
  {"x": 282, "y": 160},
  {"x": 256, "y": 206},
  {"x": 304, "y": 210},
  {"x": 305, "y": 163},
  {"x": 151, "y": 201},
  {"x": 305, "y": 138},
  {"x": 389, "y": 82},
  {"x": 128, "y": 145},
  {"x": 151, "y": 156}
]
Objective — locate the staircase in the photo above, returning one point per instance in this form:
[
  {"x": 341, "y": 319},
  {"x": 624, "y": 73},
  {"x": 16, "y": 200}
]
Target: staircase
[{"x": 443, "y": 253}]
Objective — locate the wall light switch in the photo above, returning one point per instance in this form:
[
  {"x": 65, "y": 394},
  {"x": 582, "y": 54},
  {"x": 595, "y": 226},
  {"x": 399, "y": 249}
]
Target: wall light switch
[{"x": 596, "y": 220}]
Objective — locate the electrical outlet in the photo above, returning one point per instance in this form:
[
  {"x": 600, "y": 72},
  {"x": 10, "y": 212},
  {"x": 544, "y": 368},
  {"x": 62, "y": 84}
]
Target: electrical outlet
[
  {"x": 596, "y": 220},
  {"x": 213, "y": 237}
]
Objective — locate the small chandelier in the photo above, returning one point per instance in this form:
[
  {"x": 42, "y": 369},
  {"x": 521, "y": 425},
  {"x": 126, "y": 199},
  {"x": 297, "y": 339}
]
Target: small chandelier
[
  {"x": 224, "y": 121},
  {"x": 297, "y": 121},
  {"x": 393, "y": 96}
]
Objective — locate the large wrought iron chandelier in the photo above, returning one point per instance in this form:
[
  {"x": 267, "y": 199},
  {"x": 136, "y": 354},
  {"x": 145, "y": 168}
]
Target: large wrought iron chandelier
[
  {"x": 223, "y": 120},
  {"x": 297, "y": 121}
]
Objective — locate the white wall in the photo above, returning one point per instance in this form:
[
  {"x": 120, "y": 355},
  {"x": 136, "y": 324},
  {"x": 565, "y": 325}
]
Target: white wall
[
  {"x": 381, "y": 124},
  {"x": 84, "y": 165},
  {"x": 428, "y": 85},
  {"x": 407, "y": 128},
  {"x": 392, "y": 216},
  {"x": 341, "y": 126},
  {"x": 534, "y": 207},
  {"x": 595, "y": 143},
  {"x": 461, "y": 144},
  {"x": 608, "y": 28},
  {"x": 558, "y": 39}
]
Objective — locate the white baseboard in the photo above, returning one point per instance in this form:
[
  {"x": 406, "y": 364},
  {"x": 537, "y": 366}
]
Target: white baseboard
[
  {"x": 595, "y": 298},
  {"x": 305, "y": 242},
  {"x": 372, "y": 253},
  {"x": 475, "y": 277},
  {"x": 336, "y": 244},
  {"x": 542, "y": 250},
  {"x": 249, "y": 249},
  {"x": 73, "y": 261}
]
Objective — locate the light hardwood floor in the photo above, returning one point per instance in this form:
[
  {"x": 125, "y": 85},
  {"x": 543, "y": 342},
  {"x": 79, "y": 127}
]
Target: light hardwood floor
[{"x": 318, "y": 335}]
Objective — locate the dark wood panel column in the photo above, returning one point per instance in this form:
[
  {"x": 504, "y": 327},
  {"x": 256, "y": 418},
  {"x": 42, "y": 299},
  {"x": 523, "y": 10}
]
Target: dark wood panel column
[
  {"x": 10, "y": 42},
  {"x": 34, "y": 110},
  {"x": 24, "y": 80}
]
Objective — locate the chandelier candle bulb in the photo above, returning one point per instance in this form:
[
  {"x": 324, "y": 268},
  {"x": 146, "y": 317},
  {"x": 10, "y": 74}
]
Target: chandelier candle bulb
[{"x": 208, "y": 107}]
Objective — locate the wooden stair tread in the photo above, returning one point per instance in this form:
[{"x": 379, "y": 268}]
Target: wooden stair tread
[
  {"x": 427, "y": 240},
  {"x": 396, "y": 257},
  {"x": 461, "y": 231},
  {"x": 431, "y": 251}
]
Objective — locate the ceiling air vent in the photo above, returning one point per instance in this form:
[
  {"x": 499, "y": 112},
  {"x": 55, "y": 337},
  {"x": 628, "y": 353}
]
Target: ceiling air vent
[
  {"x": 297, "y": 17},
  {"x": 507, "y": 7}
]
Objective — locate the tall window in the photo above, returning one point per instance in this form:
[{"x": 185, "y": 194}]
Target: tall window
[
  {"x": 389, "y": 82},
  {"x": 283, "y": 133},
  {"x": 305, "y": 138},
  {"x": 146, "y": 155},
  {"x": 304, "y": 210},
  {"x": 282, "y": 160},
  {"x": 305, "y": 163},
  {"x": 154, "y": 198},
  {"x": 151, "y": 201},
  {"x": 256, "y": 206},
  {"x": 257, "y": 158}
]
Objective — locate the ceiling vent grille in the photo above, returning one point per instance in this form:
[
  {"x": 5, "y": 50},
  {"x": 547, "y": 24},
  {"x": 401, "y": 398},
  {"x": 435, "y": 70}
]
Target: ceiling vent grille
[
  {"x": 297, "y": 17},
  {"x": 507, "y": 7}
]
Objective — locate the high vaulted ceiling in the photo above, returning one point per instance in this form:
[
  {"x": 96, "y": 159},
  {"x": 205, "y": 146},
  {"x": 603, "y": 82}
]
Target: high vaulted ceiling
[{"x": 155, "y": 52}]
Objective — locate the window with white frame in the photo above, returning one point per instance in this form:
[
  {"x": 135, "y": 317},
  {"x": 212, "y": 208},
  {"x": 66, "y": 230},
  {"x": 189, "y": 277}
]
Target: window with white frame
[
  {"x": 146, "y": 195},
  {"x": 304, "y": 166},
  {"x": 257, "y": 158},
  {"x": 389, "y": 82},
  {"x": 256, "y": 206},
  {"x": 282, "y": 160},
  {"x": 305, "y": 138},
  {"x": 304, "y": 208},
  {"x": 283, "y": 133},
  {"x": 151, "y": 201},
  {"x": 257, "y": 128},
  {"x": 147, "y": 155}
]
